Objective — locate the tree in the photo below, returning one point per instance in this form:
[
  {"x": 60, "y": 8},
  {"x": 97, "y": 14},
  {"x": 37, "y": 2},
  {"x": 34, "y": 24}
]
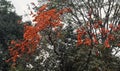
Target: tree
[
  {"x": 97, "y": 35},
  {"x": 9, "y": 30},
  {"x": 91, "y": 13}
]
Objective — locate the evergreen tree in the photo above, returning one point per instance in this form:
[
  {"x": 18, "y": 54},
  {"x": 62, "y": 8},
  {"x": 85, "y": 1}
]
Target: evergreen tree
[{"x": 9, "y": 29}]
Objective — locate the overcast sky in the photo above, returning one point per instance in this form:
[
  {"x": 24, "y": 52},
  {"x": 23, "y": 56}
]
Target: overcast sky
[{"x": 21, "y": 5}]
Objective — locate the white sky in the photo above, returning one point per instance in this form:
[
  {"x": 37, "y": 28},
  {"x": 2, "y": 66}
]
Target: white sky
[{"x": 21, "y": 5}]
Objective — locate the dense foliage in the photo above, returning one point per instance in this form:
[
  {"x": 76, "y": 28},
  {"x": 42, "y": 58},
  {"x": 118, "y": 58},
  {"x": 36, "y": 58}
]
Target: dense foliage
[
  {"x": 9, "y": 30},
  {"x": 70, "y": 35}
]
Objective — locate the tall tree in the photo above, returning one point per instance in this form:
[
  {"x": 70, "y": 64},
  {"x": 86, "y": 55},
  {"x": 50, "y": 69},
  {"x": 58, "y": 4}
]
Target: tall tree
[
  {"x": 91, "y": 17},
  {"x": 90, "y": 48},
  {"x": 9, "y": 29}
]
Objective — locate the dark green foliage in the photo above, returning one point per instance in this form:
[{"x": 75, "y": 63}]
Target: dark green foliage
[{"x": 9, "y": 30}]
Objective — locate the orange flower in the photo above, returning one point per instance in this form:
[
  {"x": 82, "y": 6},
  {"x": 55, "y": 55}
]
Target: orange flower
[
  {"x": 81, "y": 31},
  {"x": 79, "y": 39},
  {"x": 106, "y": 43},
  {"x": 104, "y": 31},
  {"x": 111, "y": 37},
  {"x": 87, "y": 41},
  {"x": 17, "y": 45},
  {"x": 79, "y": 42},
  {"x": 95, "y": 39},
  {"x": 42, "y": 8}
]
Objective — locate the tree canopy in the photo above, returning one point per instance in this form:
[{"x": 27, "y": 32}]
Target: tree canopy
[
  {"x": 70, "y": 35},
  {"x": 9, "y": 30}
]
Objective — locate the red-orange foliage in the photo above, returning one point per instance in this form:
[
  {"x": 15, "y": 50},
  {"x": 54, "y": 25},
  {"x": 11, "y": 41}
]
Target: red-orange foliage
[
  {"x": 31, "y": 38},
  {"x": 80, "y": 32},
  {"x": 87, "y": 41},
  {"x": 89, "y": 34},
  {"x": 96, "y": 33},
  {"x": 106, "y": 43}
]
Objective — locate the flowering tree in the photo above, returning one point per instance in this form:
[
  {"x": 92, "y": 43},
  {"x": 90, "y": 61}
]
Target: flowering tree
[
  {"x": 97, "y": 24},
  {"x": 31, "y": 38}
]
